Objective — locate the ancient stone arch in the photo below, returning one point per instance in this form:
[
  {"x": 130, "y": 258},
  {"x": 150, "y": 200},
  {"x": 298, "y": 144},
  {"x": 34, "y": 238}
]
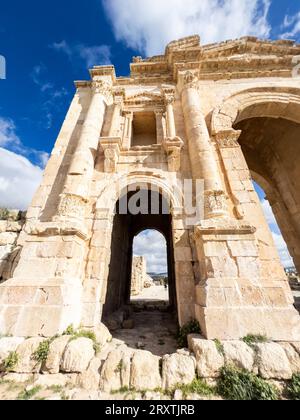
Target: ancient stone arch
[{"x": 219, "y": 114}]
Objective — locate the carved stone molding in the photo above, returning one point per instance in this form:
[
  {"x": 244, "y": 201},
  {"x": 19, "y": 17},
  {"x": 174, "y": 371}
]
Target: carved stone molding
[
  {"x": 215, "y": 203},
  {"x": 103, "y": 88},
  {"x": 228, "y": 138},
  {"x": 173, "y": 148},
  {"x": 112, "y": 150},
  {"x": 72, "y": 206}
]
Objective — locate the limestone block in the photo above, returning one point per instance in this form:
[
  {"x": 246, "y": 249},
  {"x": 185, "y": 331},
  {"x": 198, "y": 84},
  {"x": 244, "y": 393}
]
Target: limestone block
[
  {"x": 178, "y": 369},
  {"x": 9, "y": 345},
  {"x": 115, "y": 372},
  {"x": 102, "y": 334},
  {"x": 183, "y": 254},
  {"x": 239, "y": 354},
  {"x": 90, "y": 379},
  {"x": 51, "y": 380},
  {"x": 273, "y": 362},
  {"x": 145, "y": 371},
  {"x": 78, "y": 355},
  {"x": 25, "y": 351},
  {"x": 243, "y": 248},
  {"x": 293, "y": 357},
  {"x": 209, "y": 360},
  {"x": 221, "y": 267},
  {"x": 55, "y": 355},
  {"x": 8, "y": 238}
]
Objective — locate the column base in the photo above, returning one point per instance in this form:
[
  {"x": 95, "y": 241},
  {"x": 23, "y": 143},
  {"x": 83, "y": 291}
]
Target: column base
[{"x": 31, "y": 307}]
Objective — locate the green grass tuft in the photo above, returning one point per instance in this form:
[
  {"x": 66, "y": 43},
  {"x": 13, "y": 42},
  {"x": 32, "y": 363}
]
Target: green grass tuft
[
  {"x": 192, "y": 327},
  {"x": 293, "y": 389},
  {"x": 237, "y": 384}
]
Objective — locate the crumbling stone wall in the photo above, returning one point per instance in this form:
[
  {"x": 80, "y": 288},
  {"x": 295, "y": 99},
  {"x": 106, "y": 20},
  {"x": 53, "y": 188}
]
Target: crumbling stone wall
[
  {"x": 10, "y": 229},
  {"x": 139, "y": 277}
]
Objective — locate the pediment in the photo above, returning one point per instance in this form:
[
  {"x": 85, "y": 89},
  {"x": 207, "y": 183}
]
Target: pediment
[{"x": 144, "y": 97}]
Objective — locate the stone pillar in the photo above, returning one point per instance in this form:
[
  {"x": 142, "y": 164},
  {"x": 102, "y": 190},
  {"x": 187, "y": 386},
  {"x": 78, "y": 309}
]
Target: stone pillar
[
  {"x": 202, "y": 156},
  {"x": 171, "y": 127},
  {"x": 243, "y": 288},
  {"x": 127, "y": 130},
  {"x": 83, "y": 160}
]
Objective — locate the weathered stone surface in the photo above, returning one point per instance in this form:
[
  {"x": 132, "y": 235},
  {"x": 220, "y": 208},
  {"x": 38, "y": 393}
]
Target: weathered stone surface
[
  {"x": 102, "y": 334},
  {"x": 25, "y": 351},
  {"x": 293, "y": 357},
  {"x": 19, "y": 378},
  {"x": 273, "y": 362},
  {"x": 178, "y": 369},
  {"x": 90, "y": 379},
  {"x": 239, "y": 354},
  {"x": 145, "y": 373},
  {"x": 209, "y": 360},
  {"x": 55, "y": 355},
  {"x": 78, "y": 355},
  {"x": 115, "y": 372},
  {"x": 51, "y": 380},
  {"x": 9, "y": 345},
  {"x": 128, "y": 324}
]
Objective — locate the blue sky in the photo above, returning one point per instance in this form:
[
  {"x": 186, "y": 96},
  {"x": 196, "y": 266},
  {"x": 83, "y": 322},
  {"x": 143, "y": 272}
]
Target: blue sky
[{"x": 48, "y": 45}]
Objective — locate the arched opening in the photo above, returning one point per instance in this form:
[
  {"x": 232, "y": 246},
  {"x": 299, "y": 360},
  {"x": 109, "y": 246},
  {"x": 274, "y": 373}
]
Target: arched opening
[
  {"x": 271, "y": 146},
  {"x": 136, "y": 211},
  {"x": 151, "y": 327},
  {"x": 149, "y": 277}
]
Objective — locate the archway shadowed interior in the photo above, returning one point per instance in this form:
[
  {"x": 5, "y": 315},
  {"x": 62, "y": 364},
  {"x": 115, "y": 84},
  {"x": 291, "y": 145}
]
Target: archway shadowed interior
[{"x": 125, "y": 228}]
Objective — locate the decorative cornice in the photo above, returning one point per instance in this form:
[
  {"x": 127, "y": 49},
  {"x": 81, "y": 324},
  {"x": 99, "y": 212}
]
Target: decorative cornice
[{"x": 228, "y": 138}]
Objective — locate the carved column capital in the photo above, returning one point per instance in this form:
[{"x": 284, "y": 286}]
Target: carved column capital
[
  {"x": 190, "y": 80},
  {"x": 103, "y": 88},
  {"x": 215, "y": 203}
]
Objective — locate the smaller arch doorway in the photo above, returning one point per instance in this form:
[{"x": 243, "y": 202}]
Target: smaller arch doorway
[{"x": 150, "y": 212}]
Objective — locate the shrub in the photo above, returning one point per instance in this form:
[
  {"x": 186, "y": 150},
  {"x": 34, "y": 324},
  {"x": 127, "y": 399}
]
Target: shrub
[
  {"x": 11, "y": 361},
  {"x": 293, "y": 389},
  {"x": 41, "y": 354},
  {"x": 219, "y": 347},
  {"x": 198, "y": 386},
  {"x": 4, "y": 214},
  {"x": 237, "y": 384},
  {"x": 252, "y": 339},
  {"x": 70, "y": 330},
  {"x": 27, "y": 395},
  {"x": 192, "y": 327}
]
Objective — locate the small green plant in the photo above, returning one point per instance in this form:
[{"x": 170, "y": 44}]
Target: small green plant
[
  {"x": 119, "y": 368},
  {"x": 219, "y": 347},
  {"x": 252, "y": 339},
  {"x": 28, "y": 394},
  {"x": 198, "y": 386},
  {"x": 57, "y": 389},
  {"x": 192, "y": 327},
  {"x": 70, "y": 330},
  {"x": 11, "y": 361},
  {"x": 122, "y": 390},
  {"x": 41, "y": 354},
  {"x": 293, "y": 389},
  {"x": 237, "y": 384},
  {"x": 4, "y": 214}
]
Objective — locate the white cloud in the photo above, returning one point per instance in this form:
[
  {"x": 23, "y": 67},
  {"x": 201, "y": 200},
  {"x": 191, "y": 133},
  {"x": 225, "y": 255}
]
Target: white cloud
[
  {"x": 19, "y": 179},
  {"x": 291, "y": 26},
  {"x": 91, "y": 55},
  {"x": 281, "y": 245},
  {"x": 284, "y": 254},
  {"x": 7, "y": 132},
  {"x": 149, "y": 25},
  {"x": 152, "y": 245}
]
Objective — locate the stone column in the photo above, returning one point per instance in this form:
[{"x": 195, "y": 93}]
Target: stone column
[
  {"x": 202, "y": 156},
  {"x": 127, "y": 130},
  {"x": 83, "y": 160},
  {"x": 171, "y": 128}
]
